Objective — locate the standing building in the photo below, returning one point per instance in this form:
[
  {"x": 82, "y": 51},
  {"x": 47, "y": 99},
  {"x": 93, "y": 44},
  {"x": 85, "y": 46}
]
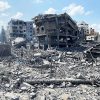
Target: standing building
[
  {"x": 29, "y": 30},
  {"x": 20, "y": 28},
  {"x": 87, "y": 34},
  {"x": 92, "y": 36},
  {"x": 56, "y": 30},
  {"x": 92, "y": 31},
  {"x": 83, "y": 29},
  {"x": 83, "y": 25}
]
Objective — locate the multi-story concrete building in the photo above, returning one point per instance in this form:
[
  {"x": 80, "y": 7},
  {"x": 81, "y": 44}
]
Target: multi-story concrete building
[
  {"x": 20, "y": 28},
  {"x": 83, "y": 25},
  {"x": 93, "y": 35},
  {"x": 83, "y": 29},
  {"x": 56, "y": 30},
  {"x": 92, "y": 31},
  {"x": 87, "y": 33},
  {"x": 29, "y": 30}
]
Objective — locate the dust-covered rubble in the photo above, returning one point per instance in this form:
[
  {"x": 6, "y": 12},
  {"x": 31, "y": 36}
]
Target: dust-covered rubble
[{"x": 46, "y": 65}]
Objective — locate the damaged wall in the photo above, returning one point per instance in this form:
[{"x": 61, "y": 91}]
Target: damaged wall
[{"x": 56, "y": 30}]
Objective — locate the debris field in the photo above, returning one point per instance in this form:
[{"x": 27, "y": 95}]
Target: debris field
[{"x": 49, "y": 75}]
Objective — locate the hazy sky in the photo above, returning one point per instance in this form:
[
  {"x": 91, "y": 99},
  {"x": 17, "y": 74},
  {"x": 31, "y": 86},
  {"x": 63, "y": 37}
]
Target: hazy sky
[{"x": 79, "y": 10}]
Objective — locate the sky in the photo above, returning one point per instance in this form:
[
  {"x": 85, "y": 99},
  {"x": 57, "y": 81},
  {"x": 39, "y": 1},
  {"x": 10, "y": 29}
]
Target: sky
[{"x": 79, "y": 10}]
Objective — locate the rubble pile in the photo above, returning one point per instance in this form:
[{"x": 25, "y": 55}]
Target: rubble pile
[
  {"x": 32, "y": 65},
  {"x": 81, "y": 92}
]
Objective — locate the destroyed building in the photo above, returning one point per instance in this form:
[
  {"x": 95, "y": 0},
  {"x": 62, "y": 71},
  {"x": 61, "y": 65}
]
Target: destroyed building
[
  {"x": 20, "y": 28},
  {"x": 56, "y": 30}
]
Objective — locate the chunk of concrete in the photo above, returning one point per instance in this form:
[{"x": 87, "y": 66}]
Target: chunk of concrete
[
  {"x": 11, "y": 96},
  {"x": 32, "y": 95}
]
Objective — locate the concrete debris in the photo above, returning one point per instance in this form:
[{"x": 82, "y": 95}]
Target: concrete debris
[
  {"x": 37, "y": 54},
  {"x": 27, "y": 87},
  {"x": 32, "y": 95},
  {"x": 11, "y": 97},
  {"x": 49, "y": 75},
  {"x": 79, "y": 76},
  {"x": 51, "y": 86},
  {"x": 64, "y": 97}
]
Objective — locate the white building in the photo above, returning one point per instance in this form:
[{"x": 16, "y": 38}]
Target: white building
[
  {"x": 83, "y": 30},
  {"x": 84, "y": 26}
]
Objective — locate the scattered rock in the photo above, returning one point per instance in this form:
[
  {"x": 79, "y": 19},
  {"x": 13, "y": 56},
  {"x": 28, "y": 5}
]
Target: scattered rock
[{"x": 80, "y": 76}]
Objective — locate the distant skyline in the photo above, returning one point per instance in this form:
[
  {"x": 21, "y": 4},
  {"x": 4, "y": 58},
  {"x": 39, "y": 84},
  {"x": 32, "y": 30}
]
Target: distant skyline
[{"x": 79, "y": 10}]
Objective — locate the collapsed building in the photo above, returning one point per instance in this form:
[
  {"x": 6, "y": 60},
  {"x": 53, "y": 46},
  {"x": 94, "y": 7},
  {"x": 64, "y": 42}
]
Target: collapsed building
[{"x": 55, "y": 30}]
